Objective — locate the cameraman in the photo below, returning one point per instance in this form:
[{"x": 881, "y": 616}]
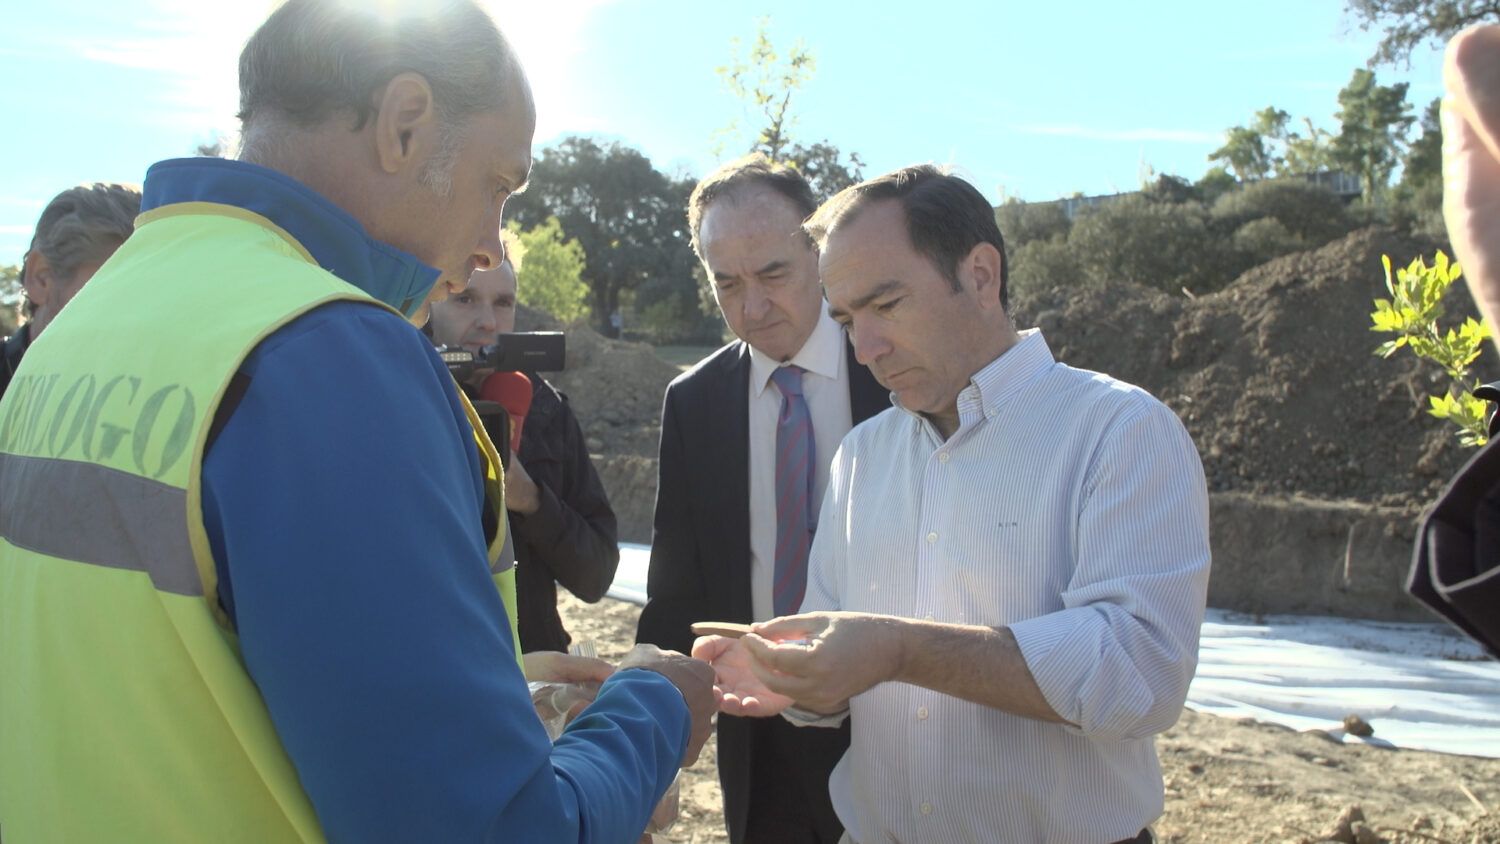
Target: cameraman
[{"x": 564, "y": 527}]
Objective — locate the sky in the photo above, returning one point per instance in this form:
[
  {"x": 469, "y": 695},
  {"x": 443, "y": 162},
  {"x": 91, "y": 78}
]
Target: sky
[{"x": 1033, "y": 100}]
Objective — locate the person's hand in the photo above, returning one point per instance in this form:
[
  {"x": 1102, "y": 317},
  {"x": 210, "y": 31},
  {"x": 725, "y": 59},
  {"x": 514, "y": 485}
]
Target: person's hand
[
  {"x": 695, "y": 679},
  {"x": 1471, "y": 161},
  {"x": 739, "y": 690},
  {"x": 821, "y": 660},
  {"x": 521, "y": 493}
]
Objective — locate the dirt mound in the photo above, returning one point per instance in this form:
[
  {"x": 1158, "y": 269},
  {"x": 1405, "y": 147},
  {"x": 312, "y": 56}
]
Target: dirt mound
[
  {"x": 615, "y": 388},
  {"x": 1275, "y": 375}
]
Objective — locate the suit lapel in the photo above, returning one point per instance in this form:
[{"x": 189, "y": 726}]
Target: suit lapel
[{"x": 733, "y": 420}]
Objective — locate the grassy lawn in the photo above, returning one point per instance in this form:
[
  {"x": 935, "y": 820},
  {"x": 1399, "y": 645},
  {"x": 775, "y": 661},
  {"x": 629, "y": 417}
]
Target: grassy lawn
[{"x": 683, "y": 357}]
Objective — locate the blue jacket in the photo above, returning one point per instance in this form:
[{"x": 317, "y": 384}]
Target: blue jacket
[{"x": 343, "y": 504}]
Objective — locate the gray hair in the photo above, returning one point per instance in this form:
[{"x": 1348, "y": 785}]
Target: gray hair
[
  {"x": 85, "y": 224},
  {"x": 313, "y": 59},
  {"x": 741, "y": 173}
]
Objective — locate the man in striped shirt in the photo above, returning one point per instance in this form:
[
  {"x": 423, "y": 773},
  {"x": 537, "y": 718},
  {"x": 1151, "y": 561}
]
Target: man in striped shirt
[{"x": 1011, "y": 565}]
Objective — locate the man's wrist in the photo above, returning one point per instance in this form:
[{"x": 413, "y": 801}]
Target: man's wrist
[{"x": 902, "y": 644}]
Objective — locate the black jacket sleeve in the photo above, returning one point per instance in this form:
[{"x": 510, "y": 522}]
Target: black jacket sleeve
[{"x": 574, "y": 527}]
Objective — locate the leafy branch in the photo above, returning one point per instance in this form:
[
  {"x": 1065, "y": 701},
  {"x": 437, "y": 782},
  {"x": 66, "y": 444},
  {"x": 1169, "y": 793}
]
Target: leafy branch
[{"x": 1412, "y": 314}]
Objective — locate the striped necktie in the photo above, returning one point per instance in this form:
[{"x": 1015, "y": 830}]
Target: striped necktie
[{"x": 795, "y": 518}]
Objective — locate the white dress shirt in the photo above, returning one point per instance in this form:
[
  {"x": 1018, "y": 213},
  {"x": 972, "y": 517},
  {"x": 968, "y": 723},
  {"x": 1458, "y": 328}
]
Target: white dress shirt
[
  {"x": 825, "y": 387},
  {"x": 1071, "y": 508}
]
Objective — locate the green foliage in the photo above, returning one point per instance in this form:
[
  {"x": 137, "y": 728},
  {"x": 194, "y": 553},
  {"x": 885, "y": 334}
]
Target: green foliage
[
  {"x": 1268, "y": 147},
  {"x": 626, "y": 215},
  {"x": 1167, "y": 246},
  {"x": 764, "y": 80},
  {"x": 11, "y": 296},
  {"x": 551, "y": 271},
  {"x": 1266, "y": 238},
  {"x": 824, "y": 167},
  {"x": 1214, "y": 184},
  {"x": 1022, "y": 222},
  {"x": 1373, "y": 120},
  {"x": 1419, "y": 197},
  {"x": 1412, "y": 314},
  {"x": 1309, "y": 212},
  {"x": 1244, "y": 151},
  {"x": 1044, "y": 264},
  {"x": 1411, "y": 23}
]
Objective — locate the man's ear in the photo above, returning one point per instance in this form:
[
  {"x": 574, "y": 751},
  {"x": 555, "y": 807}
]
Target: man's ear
[
  {"x": 983, "y": 267},
  {"x": 37, "y": 278},
  {"x": 406, "y": 123}
]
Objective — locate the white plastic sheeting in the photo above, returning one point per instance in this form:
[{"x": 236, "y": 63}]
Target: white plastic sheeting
[{"x": 1420, "y": 686}]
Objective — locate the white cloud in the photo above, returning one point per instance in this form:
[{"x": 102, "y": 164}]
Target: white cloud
[{"x": 1177, "y": 136}]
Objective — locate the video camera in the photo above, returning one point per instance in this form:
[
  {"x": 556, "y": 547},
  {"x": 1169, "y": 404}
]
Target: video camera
[
  {"x": 530, "y": 351},
  {"x": 505, "y": 393}
]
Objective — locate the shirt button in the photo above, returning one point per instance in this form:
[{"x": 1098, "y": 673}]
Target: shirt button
[
  {"x": 921, "y": 713},
  {"x": 942, "y": 457},
  {"x": 932, "y": 537},
  {"x": 926, "y": 808}
]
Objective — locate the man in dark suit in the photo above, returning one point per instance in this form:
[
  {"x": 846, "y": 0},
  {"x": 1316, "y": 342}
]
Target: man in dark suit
[{"x": 746, "y": 439}]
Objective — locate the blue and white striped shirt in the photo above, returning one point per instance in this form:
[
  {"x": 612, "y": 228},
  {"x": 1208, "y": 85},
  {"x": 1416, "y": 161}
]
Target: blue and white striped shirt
[{"x": 1069, "y": 507}]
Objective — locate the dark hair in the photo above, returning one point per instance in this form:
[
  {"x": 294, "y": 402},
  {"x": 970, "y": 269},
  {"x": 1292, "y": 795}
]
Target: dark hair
[
  {"x": 315, "y": 58},
  {"x": 730, "y": 178},
  {"x": 946, "y": 217}
]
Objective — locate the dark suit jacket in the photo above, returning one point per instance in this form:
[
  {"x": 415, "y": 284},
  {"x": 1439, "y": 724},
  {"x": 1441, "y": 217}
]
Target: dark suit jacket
[{"x": 700, "y": 549}]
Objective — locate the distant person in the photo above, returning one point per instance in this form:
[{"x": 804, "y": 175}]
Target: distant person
[
  {"x": 564, "y": 527},
  {"x": 746, "y": 439},
  {"x": 252, "y": 582},
  {"x": 1011, "y": 564},
  {"x": 1456, "y": 565},
  {"x": 78, "y": 231}
]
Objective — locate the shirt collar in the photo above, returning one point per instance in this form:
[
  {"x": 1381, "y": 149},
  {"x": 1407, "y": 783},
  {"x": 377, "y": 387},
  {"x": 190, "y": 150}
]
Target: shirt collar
[
  {"x": 1006, "y": 375},
  {"x": 334, "y": 239},
  {"x": 819, "y": 355}
]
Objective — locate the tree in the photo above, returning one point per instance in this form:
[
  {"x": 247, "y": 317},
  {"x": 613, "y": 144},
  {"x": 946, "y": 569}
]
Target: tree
[
  {"x": 11, "y": 296},
  {"x": 1268, "y": 147},
  {"x": 1023, "y": 222},
  {"x": 824, "y": 167},
  {"x": 1307, "y": 154},
  {"x": 1044, "y": 264},
  {"x": 550, "y": 274},
  {"x": 764, "y": 81},
  {"x": 1244, "y": 151},
  {"x": 626, "y": 215},
  {"x": 1410, "y": 23},
  {"x": 1214, "y": 184},
  {"x": 1168, "y": 246},
  {"x": 1373, "y": 120},
  {"x": 1309, "y": 212},
  {"x": 1251, "y": 151},
  {"x": 1420, "y": 194}
]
